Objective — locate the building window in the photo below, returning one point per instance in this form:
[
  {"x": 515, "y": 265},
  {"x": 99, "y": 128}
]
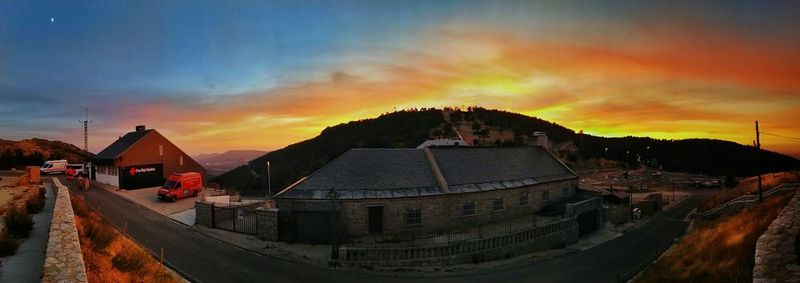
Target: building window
[
  {"x": 523, "y": 199},
  {"x": 497, "y": 204},
  {"x": 181, "y": 159},
  {"x": 101, "y": 170},
  {"x": 112, "y": 171},
  {"x": 565, "y": 191},
  {"x": 468, "y": 208},
  {"x": 413, "y": 216},
  {"x": 546, "y": 195},
  {"x": 160, "y": 150}
]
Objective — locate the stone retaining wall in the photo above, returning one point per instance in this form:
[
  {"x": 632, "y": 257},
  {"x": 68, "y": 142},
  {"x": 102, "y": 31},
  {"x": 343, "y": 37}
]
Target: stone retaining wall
[
  {"x": 63, "y": 261},
  {"x": 204, "y": 213},
  {"x": 267, "y": 226},
  {"x": 775, "y": 259}
]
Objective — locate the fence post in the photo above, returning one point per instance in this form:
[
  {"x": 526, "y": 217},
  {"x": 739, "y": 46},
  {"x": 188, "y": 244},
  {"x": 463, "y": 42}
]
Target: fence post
[{"x": 213, "y": 217}]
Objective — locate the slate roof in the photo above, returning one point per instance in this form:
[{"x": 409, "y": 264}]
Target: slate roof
[
  {"x": 120, "y": 145},
  {"x": 373, "y": 173},
  {"x": 391, "y": 173},
  {"x": 495, "y": 164}
]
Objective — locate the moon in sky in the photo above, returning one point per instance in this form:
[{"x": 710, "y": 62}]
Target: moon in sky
[{"x": 52, "y": 20}]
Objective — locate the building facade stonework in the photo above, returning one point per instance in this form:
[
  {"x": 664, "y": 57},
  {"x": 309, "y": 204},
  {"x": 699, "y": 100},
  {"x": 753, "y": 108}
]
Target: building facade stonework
[{"x": 401, "y": 192}]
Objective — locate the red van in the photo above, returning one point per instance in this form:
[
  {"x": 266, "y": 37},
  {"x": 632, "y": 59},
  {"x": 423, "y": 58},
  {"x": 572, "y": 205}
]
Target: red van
[{"x": 181, "y": 185}]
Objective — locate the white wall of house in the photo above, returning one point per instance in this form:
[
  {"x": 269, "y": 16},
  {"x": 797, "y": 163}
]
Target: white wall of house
[{"x": 108, "y": 179}]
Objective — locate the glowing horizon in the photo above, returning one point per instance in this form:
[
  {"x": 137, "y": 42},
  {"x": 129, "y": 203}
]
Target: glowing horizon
[{"x": 263, "y": 76}]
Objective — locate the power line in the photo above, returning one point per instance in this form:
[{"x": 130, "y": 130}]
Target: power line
[{"x": 782, "y": 136}]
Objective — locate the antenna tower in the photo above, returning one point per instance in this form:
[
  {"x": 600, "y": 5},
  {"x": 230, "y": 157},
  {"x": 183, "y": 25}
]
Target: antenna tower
[{"x": 86, "y": 123}]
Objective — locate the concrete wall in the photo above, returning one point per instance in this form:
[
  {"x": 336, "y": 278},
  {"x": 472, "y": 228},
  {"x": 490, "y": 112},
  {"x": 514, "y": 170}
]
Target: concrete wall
[
  {"x": 63, "y": 260},
  {"x": 439, "y": 213}
]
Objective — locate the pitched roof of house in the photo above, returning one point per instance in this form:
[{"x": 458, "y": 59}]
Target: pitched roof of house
[
  {"x": 120, "y": 145},
  {"x": 391, "y": 173},
  {"x": 495, "y": 164}
]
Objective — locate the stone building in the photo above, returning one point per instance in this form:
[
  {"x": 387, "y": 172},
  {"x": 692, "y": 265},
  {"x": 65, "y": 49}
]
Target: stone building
[
  {"x": 140, "y": 159},
  {"x": 437, "y": 189}
]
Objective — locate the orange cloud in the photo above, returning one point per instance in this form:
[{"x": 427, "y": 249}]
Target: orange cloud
[{"x": 684, "y": 88}]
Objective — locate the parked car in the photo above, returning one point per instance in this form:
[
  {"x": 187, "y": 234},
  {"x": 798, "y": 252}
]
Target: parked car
[
  {"x": 181, "y": 185},
  {"x": 54, "y": 167},
  {"x": 76, "y": 169}
]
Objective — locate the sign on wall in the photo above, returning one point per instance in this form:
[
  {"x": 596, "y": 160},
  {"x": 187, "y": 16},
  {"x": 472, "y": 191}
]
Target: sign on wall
[{"x": 141, "y": 176}]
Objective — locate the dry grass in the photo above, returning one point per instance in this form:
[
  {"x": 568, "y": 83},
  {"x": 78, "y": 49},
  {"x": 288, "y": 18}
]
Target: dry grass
[
  {"x": 750, "y": 186},
  {"x": 101, "y": 234},
  {"x": 121, "y": 260},
  {"x": 721, "y": 250}
]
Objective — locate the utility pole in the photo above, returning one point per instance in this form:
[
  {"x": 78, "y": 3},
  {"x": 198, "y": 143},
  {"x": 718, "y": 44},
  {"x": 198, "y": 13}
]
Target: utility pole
[
  {"x": 269, "y": 181},
  {"x": 86, "y": 123},
  {"x": 758, "y": 163}
]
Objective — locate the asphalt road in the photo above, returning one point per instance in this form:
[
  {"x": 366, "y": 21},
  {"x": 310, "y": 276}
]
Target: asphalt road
[
  {"x": 616, "y": 260},
  {"x": 201, "y": 258}
]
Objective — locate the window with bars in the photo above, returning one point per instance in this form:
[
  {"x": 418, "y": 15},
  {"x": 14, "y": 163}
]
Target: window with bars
[
  {"x": 468, "y": 208},
  {"x": 160, "y": 150},
  {"x": 181, "y": 160},
  {"x": 497, "y": 204},
  {"x": 523, "y": 199},
  {"x": 546, "y": 195},
  {"x": 413, "y": 216}
]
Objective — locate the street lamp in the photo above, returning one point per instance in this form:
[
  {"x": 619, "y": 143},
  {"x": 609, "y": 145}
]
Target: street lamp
[
  {"x": 606, "y": 153},
  {"x": 648, "y": 155},
  {"x": 334, "y": 245},
  {"x": 269, "y": 181}
]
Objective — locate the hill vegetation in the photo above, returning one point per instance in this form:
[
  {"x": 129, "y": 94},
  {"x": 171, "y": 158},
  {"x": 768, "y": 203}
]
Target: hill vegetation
[
  {"x": 399, "y": 129},
  {"x": 409, "y": 128},
  {"x": 18, "y": 154}
]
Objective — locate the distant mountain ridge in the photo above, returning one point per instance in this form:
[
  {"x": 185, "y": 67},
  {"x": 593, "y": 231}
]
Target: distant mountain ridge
[
  {"x": 409, "y": 128},
  {"x": 218, "y": 163},
  {"x": 18, "y": 154}
]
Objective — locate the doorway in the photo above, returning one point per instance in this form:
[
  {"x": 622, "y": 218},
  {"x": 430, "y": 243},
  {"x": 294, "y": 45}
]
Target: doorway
[{"x": 375, "y": 219}]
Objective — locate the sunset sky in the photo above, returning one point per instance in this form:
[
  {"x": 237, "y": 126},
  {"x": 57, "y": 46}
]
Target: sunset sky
[{"x": 214, "y": 76}]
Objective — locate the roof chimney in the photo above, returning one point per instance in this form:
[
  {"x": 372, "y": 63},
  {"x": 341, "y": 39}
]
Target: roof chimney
[
  {"x": 140, "y": 128},
  {"x": 541, "y": 139}
]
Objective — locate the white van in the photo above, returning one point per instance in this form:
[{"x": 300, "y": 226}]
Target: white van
[{"x": 54, "y": 167}]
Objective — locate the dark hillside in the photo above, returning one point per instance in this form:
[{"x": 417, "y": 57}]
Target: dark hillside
[
  {"x": 398, "y": 129},
  {"x": 18, "y": 154},
  {"x": 410, "y": 128}
]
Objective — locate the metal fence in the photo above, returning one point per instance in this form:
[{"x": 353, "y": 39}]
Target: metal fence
[
  {"x": 240, "y": 218},
  {"x": 424, "y": 239}
]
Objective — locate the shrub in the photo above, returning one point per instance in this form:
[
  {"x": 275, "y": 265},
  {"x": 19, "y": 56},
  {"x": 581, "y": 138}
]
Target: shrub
[
  {"x": 79, "y": 206},
  {"x": 8, "y": 245},
  {"x": 18, "y": 223},
  {"x": 100, "y": 235},
  {"x": 129, "y": 260},
  {"x": 36, "y": 203}
]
